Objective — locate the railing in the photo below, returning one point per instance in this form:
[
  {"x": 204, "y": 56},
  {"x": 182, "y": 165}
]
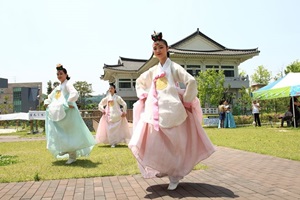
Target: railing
[
  {"x": 210, "y": 111},
  {"x": 97, "y": 114}
]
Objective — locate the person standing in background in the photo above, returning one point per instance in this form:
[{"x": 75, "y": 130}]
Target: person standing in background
[
  {"x": 113, "y": 127},
  {"x": 255, "y": 112}
]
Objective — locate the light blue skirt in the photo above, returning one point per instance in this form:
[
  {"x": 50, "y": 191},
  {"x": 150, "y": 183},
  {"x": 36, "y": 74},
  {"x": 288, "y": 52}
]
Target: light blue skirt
[
  {"x": 229, "y": 121},
  {"x": 69, "y": 134}
]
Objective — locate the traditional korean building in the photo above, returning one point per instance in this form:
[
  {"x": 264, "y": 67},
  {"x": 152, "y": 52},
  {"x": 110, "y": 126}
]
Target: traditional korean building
[{"x": 197, "y": 52}]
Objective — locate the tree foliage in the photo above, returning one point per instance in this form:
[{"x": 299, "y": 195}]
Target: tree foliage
[
  {"x": 6, "y": 107},
  {"x": 243, "y": 103},
  {"x": 293, "y": 67},
  {"x": 210, "y": 87},
  {"x": 261, "y": 75},
  {"x": 84, "y": 89},
  {"x": 49, "y": 87}
]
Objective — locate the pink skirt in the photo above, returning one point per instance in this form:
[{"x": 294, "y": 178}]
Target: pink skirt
[
  {"x": 113, "y": 132},
  {"x": 173, "y": 151}
]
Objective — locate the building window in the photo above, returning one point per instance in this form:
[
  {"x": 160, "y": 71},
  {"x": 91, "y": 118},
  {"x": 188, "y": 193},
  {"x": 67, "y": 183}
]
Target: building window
[
  {"x": 228, "y": 71},
  {"x": 193, "y": 69},
  {"x": 212, "y": 67},
  {"x": 130, "y": 103},
  {"x": 124, "y": 83},
  {"x": 17, "y": 99},
  {"x": 133, "y": 82}
]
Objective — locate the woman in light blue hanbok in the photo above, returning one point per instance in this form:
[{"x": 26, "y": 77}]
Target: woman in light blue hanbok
[
  {"x": 67, "y": 134},
  {"x": 229, "y": 120}
]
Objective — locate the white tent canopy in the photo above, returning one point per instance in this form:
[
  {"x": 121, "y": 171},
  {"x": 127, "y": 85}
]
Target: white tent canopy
[{"x": 287, "y": 86}]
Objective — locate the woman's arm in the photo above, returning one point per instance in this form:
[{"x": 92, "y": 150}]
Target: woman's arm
[
  {"x": 143, "y": 84},
  {"x": 122, "y": 103},
  {"x": 101, "y": 105},
  {"x": 50, "y": 97},
  {"x": 181, "y": 75}
]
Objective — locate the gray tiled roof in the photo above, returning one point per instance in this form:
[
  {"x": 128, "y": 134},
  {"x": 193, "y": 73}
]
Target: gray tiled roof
[
  {"x": 126, "y": 64},
  {"x": 225, "y": 52},
  {"x": 193, "y": 35}
]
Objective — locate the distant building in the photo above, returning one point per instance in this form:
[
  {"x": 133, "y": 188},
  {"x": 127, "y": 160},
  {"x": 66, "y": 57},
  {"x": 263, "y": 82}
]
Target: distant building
[
  {"x": 195, "y": 53},
  {"x": 19, "y": 97}
]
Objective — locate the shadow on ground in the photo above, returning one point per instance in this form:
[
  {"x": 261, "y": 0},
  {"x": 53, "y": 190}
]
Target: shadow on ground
[
  {"x": 79, "y": 163},
  {"x": 189, "y": 190}
]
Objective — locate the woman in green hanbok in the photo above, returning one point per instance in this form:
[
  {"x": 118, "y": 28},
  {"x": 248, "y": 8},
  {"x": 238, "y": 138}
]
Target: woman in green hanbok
[{"x": 67, "y": 134}]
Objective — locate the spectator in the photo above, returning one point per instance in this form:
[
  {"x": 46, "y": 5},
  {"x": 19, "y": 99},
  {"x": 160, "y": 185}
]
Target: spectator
[
  {"x": 255, "y": 112},
  {"x": 295, "y": 108},
  {"x": 286, "y": 117}
]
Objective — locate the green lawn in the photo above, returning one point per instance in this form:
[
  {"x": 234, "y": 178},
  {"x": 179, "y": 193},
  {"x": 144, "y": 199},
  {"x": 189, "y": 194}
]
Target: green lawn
[
  {"x": 34, "y": 162},
  {"x": 279, "y": 142},
  {"x": 28, "y": 161}
]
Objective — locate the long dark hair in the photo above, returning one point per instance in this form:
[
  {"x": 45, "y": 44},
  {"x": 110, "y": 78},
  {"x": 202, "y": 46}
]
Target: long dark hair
[{"x": 166, "y": 43}]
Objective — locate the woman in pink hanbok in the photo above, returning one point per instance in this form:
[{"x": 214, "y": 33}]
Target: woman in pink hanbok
[
  {"x": 113, "y": 127},
  {"x": 168, "y": 139}
]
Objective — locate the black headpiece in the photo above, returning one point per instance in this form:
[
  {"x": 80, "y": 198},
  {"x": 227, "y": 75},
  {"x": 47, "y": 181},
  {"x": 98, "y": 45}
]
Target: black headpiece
[
  {"x": 156, "y": 36},
  {"x": 59, "y": 67}
]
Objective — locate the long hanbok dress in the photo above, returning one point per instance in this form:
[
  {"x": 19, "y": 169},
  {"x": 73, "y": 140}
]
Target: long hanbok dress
[
  {"x": 168, "y": 138},
  {"x": 113, "y": 128},
  {"x": 66, "y": 132},
  {"x": 229, "y": 120}
]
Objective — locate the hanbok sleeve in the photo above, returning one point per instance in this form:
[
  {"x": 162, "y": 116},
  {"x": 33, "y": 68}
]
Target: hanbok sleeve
[
  {"x": 191, "y": 91},
  {"x": 122, "y": 103},
  {"x": 143, "y": 84},
  {"x": 73, "y": 94},
  {"x": 102, "y": 103},
  {"x": 50, "y": 97}
]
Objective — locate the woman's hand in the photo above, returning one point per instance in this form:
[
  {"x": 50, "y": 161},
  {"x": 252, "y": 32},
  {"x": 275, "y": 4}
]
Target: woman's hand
[
  {"x": 123, "y": 114},
  {"x": 103, "y": 113},
  {"x": 46, "y": 105},
  {"x": 70, "y": 106}
]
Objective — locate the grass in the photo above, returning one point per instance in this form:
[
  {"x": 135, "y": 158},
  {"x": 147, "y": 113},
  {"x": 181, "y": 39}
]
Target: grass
[
  {"x": 278, "y": 142},
  {"x": 34, "y": 162}
]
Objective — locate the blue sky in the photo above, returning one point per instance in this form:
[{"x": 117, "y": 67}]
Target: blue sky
[{"x": 83, "y": 35}]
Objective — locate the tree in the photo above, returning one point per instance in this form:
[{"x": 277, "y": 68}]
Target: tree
[
  {"x": 84, "y": 89},
  {"x": 6, "y": 107},
  {"x": 261, "y": 75},
  {"x": 210, "y": 86},
  {"x": 49, "y": 87},
  {"x": 243, "y": 102},
  {"x": 55, "y": 84},
  {"x": 278, "y": 76},
  {"x": 293, "y": 67}
]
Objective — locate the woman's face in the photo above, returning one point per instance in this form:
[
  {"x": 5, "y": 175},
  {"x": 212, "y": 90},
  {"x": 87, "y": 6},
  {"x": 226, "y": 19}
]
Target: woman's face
[
  {"x": 61, "y": 76},
  {"x": 111, "y": 89},
  {"x": 160, "y": 50}
]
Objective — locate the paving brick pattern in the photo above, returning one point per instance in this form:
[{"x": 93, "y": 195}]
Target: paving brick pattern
[{"x": 231, "y": 174}]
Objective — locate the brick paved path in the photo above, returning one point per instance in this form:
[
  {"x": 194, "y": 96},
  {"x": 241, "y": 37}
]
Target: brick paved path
[{"x": 231, "y": 174}]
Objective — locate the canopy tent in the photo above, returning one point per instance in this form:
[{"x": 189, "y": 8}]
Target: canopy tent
[{"x": 286, "y": 86}]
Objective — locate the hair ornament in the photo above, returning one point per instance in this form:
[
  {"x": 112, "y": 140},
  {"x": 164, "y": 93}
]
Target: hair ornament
[
  {"x": 59, "y": 67},
  {"x": 156, "y": 36}
]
